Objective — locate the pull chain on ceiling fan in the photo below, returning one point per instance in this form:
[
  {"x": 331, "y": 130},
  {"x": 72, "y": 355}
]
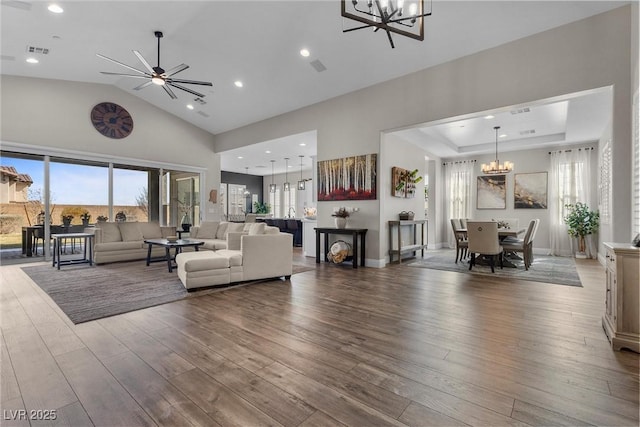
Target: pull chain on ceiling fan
[{"x": 157, "y": 75}]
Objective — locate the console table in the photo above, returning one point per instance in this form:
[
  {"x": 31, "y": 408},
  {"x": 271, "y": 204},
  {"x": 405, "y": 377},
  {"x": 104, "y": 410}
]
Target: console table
[
  {"x": 87, "y": 239},
  {"x": 416, "y": 245},
  {"x": 354, "y": 232}
]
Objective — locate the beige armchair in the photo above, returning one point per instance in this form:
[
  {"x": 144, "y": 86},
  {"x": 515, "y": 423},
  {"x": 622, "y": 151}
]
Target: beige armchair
[{"x": 483, "y": 240}]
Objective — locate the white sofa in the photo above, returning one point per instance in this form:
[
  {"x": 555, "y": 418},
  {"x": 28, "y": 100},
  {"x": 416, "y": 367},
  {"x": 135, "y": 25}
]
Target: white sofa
[
  {"x": 262, "y": 252},
  {"x": 214, "y": 233},
  {"x": 124, "y": 241}
]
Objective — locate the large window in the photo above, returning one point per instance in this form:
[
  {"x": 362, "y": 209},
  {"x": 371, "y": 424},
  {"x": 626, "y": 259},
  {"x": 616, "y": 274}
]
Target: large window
[{"x": 274, "y": 201}]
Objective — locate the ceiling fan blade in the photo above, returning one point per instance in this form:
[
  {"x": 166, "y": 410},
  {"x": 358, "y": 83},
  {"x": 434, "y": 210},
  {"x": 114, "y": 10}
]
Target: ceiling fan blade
[
  {"x": 143, "y": 85},
  {"x": 191, "y": 82},
  {"x": 177, "y": 69},
  {"x": 126, "y": 75},
  {"x": 120, "y": 63},
  {"x": 193, "y": 92},
  {"x": 144, "y": 61},
  {"x": 169, "y": 91}
]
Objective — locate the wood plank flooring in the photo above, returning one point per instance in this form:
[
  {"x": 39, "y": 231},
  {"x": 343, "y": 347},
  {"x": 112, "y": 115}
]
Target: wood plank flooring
[{"x": 332, "y": 347}]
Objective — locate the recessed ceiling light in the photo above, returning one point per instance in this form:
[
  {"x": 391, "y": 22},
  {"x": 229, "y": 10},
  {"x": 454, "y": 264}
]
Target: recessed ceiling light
[
  {"x": 190, "y": 107},
  {"x": 268, "y": 151},
  {"x": 238, "y": 83},
  {"x": 489, "y": 117},
  {"x": 504, "y": 135},
  {"x": 302, "y": 144},
  {"x": 54, "y": 8},
  {"x": 240, "y": 157},
  {"x": 32, "y": 60},
  {"x": 305, "y": 52}
]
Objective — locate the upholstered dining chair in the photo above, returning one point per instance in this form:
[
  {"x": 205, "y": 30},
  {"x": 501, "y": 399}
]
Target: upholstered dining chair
[
  {"x": 461, "y": 240},
  {"x": 524, "y": 245},
  {"x": 483, "y": 240}
]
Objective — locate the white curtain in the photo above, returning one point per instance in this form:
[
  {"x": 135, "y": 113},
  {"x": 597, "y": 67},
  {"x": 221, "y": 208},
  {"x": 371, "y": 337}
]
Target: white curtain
[
  {"x": 457, "y": 204},
  {"x": 569, "y": 183}
]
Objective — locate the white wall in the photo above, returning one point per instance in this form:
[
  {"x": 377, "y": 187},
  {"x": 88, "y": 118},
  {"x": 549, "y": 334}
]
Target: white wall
[
  {"x": 587, "y": 54},
  {"x": 56, "y": 114}
]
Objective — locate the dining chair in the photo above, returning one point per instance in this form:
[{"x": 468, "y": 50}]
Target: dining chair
[
  {"x": 524, "y": 245},
  {"x": 461, "y": 240},
  {"x": 483, "y": 240}
]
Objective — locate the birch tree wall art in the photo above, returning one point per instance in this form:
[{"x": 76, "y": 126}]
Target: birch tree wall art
[{"x": 349, "y": 178}]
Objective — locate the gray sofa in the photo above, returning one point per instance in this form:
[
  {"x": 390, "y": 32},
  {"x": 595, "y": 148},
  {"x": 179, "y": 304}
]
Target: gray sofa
[{"x": 124, "y": 241}]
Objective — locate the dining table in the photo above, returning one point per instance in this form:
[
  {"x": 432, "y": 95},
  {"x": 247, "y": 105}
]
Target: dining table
[{"x": 503, "y": 233}]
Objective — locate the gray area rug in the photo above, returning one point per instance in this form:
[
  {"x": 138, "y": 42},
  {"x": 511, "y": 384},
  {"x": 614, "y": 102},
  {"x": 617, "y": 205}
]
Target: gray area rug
[
  {"x": 88, "y": 293},
  {"x": 547, "y": 269}
]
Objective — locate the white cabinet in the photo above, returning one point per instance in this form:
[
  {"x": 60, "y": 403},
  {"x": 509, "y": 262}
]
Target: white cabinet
[
  {"x": 309, "y": 237},
  {"x": 621, "y": 320}
]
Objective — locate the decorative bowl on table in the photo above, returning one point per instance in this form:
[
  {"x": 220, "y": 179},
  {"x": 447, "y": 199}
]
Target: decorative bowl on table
[{"x": 172, "y": 239}]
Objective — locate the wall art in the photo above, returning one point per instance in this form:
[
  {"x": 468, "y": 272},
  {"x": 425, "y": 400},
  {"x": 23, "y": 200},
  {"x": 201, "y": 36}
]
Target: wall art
[
  {"x": 492, "y": 192},
  {"x": 530, "y": 190},
  {"x": 349, "y": 178}
]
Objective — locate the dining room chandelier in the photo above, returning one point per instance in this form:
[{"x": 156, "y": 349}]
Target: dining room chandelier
[
  {"x": 495, "y": 167},
  {"x": 404, "y": 17}
]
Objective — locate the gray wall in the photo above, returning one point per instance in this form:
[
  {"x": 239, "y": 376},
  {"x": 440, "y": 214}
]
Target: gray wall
[{"x": 592, "y": 53}]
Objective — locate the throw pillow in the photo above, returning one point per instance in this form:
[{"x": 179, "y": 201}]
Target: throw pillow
[
  {"x": 271, "y": 230},
  {"x": 207, "y": 230},
  {"x": 150, "y": 230},
  {"x": 257, "y": 228},
  {"x": 222, "y": 230},
  {"x": 247, "y": 227},
  {"x": 130, "y": 231},
  {"x": 234, "y": 227},
  {"x": 110, "y": 232}
]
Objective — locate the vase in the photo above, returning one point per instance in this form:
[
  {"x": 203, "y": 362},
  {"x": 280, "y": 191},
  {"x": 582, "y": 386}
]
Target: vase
[
  {"x": 341, "y": 222},
  {"x": 186, "y": 227},
  {"x": 66, "y": 222}
]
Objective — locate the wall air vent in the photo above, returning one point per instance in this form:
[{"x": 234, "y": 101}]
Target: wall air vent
[
  {"x": 318, "y": 66},
  {"x": 203, "y": 114},
  {"x": 527, "y": 132},
  {"x": 39, "y": 50},
  {"x": 521, "y": 110},
  {"x": 199, "y": 101}
]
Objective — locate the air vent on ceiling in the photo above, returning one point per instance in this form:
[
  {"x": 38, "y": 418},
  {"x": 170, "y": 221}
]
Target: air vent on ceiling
[
  {"x": 199, "y": 101},
  {"x": 203, "y": 114},
  {"x": 527, "y": 132},
  {"x": 40, "y": 50},
  {"x": 318, "y": 66},
  {"x": 17, "y": 4},
  {"x": 7, "y": 58},
  {"x": 521, "y": 110},
  {"x": 260, "y": 166}
]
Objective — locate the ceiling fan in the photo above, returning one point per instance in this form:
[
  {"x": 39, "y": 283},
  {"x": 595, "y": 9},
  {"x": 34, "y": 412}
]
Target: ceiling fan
[{"x": 158, "y": 75}]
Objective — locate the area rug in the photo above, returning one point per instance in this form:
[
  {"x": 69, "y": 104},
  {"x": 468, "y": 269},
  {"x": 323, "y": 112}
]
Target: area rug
[
  {"x": 87, "y": 293},
  {"x": 547, "y": 269}
]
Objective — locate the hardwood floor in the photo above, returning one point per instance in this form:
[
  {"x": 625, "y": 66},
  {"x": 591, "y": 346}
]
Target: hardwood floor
[{"x": 334, "y": 346}]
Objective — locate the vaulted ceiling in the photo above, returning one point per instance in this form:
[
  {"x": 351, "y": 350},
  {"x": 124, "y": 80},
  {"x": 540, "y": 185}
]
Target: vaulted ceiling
[{"x": 258, "y": 43}]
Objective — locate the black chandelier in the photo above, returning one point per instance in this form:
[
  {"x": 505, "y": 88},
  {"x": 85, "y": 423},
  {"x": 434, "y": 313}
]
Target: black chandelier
[{"x": 404, "y": 17}]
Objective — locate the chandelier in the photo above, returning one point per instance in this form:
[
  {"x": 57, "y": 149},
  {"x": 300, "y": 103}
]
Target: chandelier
[
  {"x": 496, "y": 167},
  {"x": 393, "y": 16},
  {"x": 286, "y": 186},
  {"x": 272, "y": 186}
]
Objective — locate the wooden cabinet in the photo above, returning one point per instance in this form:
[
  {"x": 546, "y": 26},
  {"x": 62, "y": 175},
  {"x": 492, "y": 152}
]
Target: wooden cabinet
[
  {"x": 621, "y": 320},
  {"x": 397, "y": 246}
]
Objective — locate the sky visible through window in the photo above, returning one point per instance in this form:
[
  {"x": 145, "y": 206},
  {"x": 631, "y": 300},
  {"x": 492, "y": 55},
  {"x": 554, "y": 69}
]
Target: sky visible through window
[{"x": 82, "y": 185}]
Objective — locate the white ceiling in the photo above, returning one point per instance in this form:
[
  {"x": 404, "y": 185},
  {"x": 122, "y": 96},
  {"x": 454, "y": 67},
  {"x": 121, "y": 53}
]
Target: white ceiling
[{"x": 257, "y": 42}]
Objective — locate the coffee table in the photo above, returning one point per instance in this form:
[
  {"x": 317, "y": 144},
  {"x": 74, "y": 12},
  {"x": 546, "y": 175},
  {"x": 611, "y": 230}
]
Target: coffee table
[{"x": 177, "y": 245}]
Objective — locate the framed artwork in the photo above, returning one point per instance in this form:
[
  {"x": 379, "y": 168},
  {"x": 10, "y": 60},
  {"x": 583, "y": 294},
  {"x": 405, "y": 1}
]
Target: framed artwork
[
  {"x": 349, "y": 178},
  {"x": 403, "y": 182},
  {"x": 492, "y": 192},
  {"x": 530, "y": 190}
]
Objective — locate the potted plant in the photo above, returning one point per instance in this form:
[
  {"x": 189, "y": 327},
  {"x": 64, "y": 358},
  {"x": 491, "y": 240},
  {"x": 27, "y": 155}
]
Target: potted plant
[
  {"x": 581, "y": 221},
  {"x": 66, "y": 219},
  {"x": 85, "y": 217},
  {"x": 102, "y": 218},
  {"x": 261, "y": 208},
  {"x": 341, "y": 216},
  {"x": 121, "y": 216}
]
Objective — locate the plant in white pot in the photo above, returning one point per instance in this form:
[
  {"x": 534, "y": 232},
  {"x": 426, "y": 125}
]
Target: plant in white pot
[
  {"x": 581, "y": 222},
  {"x": 341, "y": 216}
]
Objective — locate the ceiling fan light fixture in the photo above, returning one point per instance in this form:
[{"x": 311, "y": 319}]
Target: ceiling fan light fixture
[{"x": 157, "y": 80}]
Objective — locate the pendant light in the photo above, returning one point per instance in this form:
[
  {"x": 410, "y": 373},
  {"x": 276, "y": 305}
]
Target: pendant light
[
  {"x": 272, "y": 186},
  {"x": 495, "y": 167},
  {"x": 301, "y": 182},
  {"x": 286, "y": 186}
]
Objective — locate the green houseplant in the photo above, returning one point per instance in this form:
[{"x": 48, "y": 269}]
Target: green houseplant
[
  {"x": 581, "y": 221},
  {"x": 261, "y": 208}
]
